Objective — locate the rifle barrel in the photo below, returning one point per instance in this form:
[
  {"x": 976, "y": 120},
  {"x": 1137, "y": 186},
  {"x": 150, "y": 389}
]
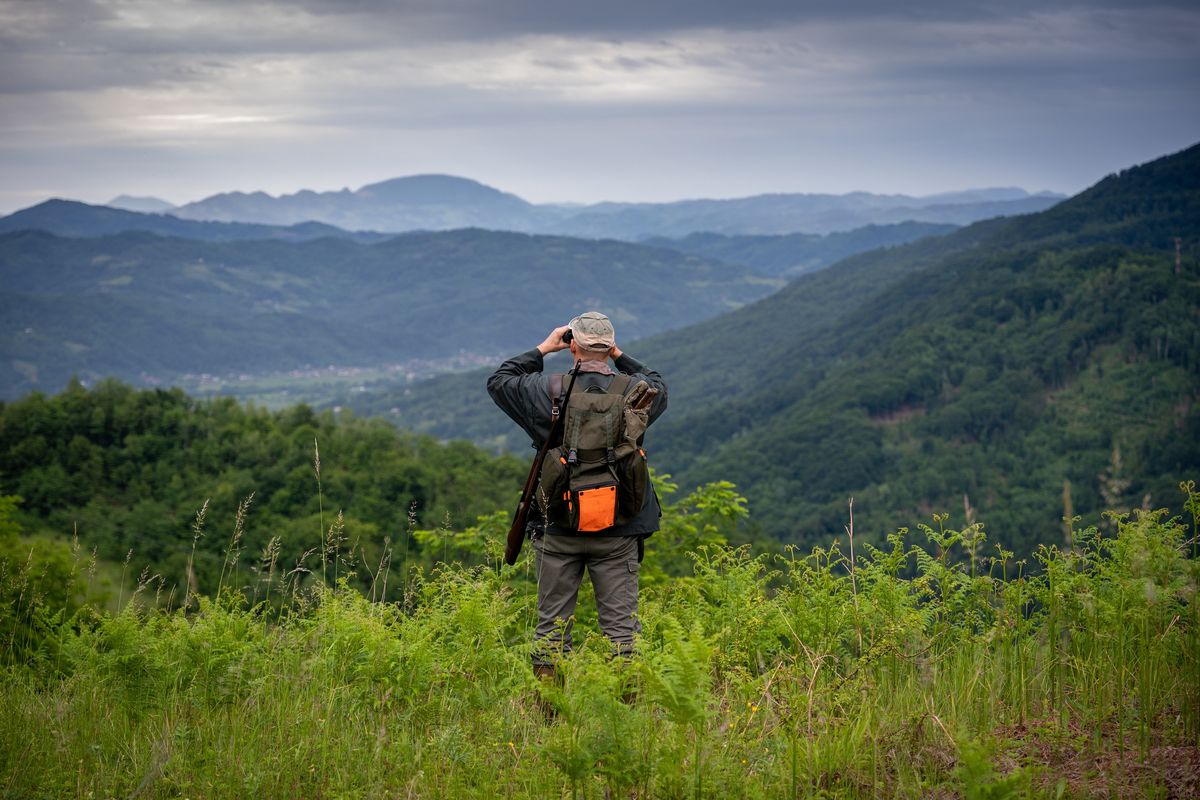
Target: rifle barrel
[{"x": 516, "y": 531}]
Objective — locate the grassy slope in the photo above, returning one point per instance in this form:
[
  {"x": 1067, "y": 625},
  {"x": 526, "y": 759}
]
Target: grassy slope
[{"x": 754, "y": 679}]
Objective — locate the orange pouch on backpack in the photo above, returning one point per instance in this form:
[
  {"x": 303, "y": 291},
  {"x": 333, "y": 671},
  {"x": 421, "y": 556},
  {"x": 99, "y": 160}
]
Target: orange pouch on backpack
[{"x": 597, "y": 508}]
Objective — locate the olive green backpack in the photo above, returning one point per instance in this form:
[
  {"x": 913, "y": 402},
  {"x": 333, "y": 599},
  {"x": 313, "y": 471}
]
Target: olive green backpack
[{"x": 597, "y": 477}]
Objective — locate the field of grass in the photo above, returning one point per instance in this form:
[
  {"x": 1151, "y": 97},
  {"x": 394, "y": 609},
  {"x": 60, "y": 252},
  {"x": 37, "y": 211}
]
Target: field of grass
[{"x": 938, "y": 667}]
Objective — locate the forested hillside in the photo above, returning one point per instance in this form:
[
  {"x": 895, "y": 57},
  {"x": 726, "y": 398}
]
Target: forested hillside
[
  {"x": 128, "y": 470},
  {"x": 149, "y": 308},
  {"x": 1013, "y": 371},
  {"x": 797, "y": 253},
  {"x": 1019, "y": 369}
]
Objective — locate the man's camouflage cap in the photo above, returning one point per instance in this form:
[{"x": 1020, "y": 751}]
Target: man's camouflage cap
[{"x": 593, "y": 331}]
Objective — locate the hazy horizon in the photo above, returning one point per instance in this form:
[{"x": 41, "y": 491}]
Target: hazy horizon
[
  {"x": 566, "y": 104},
  {"x": 1030, "y": 192}
]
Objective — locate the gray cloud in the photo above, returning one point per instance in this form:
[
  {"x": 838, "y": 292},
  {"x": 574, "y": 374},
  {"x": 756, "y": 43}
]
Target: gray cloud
[
  {"x": 583, "y": 101},
  {"x": 637, "y": 18}
]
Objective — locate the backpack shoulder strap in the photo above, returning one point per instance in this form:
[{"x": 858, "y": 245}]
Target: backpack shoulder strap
[
  {"x": 620, "y": 384},
  {"x": 555, "y": 390},
  {"x": 613, "y": 425}
]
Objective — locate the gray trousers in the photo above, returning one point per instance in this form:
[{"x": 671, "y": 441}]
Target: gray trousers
[{"x": 612, "y": 563}]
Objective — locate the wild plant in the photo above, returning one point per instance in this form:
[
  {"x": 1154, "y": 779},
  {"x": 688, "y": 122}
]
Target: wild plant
[
  {"x": 197, "y": 534},
  {"x": 265, "y": 570},
  {"x": 320, "y": 501},
  {"x": 599, "y": 733},
  {"x": 233, "y": 550},
  {"x": 677, "y": 675},
  {"x": 331, "y": 549},
  {"x": 1191, "y": 699},
  {"x": 908, "y": 670}
]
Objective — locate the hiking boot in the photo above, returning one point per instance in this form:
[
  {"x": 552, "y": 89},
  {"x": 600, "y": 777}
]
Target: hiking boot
[{"x": 548, "y": 675}]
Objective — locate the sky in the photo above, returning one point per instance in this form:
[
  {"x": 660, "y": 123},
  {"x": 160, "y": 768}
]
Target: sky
[{"x": 565, "y": 101}]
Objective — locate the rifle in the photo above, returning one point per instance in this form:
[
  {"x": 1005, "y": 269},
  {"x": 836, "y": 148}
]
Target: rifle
[{"x": 516, "y": 531}]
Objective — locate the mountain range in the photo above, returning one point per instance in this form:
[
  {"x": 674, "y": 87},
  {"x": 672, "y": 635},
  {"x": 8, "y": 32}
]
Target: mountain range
[
  {"x": 1018, "y": 368},
  {"x": 784, "y": 255},
  {"x": 1012, "y": 371},
  {"x": 794, "y": 254},
  {"x": 441, "y": 202},
  {"x": 150, "y": 308},
  {"x": 151, "y": 297},
  {"x": 80, "y": 220},
  {"x": 145, "y": 205}
]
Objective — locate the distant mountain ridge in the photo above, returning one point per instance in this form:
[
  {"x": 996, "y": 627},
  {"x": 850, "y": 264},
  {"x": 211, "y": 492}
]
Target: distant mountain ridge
[
  {"x": 781, "y": 214},
  {"x": 418, "y": 202},
  {"x": 80, "y": 220},
  {"x": 794, "y": 254},
  {"x": 441, "y": 202},
  {"x": 145, "y": 205},
  {"x": 989, "y": 195},
  {"x": 782, "y": 256}
]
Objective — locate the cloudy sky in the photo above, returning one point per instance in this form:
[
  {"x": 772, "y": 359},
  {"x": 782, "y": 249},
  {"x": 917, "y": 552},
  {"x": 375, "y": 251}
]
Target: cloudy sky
[{"x": 558, "y": 100}]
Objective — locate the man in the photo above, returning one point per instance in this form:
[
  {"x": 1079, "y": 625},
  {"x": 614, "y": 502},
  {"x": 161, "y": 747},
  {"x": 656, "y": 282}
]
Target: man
[{"x": 612, "y": 555}]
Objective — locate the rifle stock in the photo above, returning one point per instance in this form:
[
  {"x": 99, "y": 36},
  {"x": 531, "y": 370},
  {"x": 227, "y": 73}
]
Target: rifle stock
[{"x": 516, "y": 531}]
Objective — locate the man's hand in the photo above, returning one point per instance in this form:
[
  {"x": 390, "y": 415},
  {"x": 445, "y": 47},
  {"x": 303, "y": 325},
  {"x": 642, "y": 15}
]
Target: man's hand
[
  {"x": 614, "y": 352},
  {"x": 554, "y": 341}
]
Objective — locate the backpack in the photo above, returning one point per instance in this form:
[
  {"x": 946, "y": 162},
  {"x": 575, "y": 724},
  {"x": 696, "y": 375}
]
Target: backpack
[{"x": 597, "y": 476}]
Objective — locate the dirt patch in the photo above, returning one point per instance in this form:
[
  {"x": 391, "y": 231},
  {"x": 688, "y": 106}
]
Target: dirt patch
[{"x": 1105, "y": 770}]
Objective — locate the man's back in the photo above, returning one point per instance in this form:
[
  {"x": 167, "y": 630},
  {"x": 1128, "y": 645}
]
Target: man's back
[
  {"x": 522, "y": 390},
  {"x": 610, "y": 555}
]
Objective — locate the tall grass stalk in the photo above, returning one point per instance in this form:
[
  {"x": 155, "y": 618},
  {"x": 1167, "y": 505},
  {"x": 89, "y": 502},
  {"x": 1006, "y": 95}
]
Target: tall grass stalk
[
  {"x": 320, "y": 504},
  {"x": 124, "y": 571},
  {"x": 233, "y": 550},
  {"x": 197, "y": 535}
]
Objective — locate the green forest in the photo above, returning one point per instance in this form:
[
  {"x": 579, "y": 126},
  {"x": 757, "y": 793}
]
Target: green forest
[{"x": 127, "y": 470}]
